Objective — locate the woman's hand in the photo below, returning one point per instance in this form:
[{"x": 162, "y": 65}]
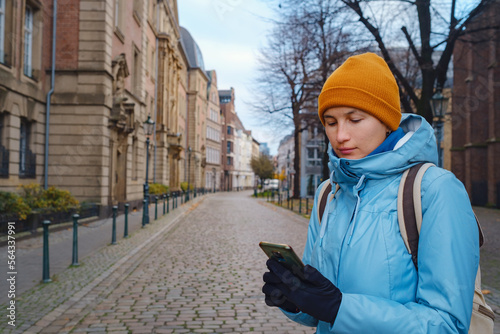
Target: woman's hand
[
  {"x": 274, "y": 296},
  {"x": 309, "y": 291}
]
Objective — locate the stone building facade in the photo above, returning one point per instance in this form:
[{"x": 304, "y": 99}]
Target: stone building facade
[
  {"x": 23, "y": 91},
  {"x": 197, "y": 105},
  {"x": 116, "y": 64},
  {"x": 476, "y": 110},
  {"x": 104, "y": 89},
  {"x": 226, "y": 98},
  {"x": 213, "y": 135}
]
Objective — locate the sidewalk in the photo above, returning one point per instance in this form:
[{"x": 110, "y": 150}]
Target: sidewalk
[
  {"x": 97, "y": 257},
  {"x": 91, "y": 237}
]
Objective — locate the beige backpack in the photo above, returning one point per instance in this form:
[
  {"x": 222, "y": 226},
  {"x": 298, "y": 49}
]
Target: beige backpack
[{"x": 410, "y": 221}]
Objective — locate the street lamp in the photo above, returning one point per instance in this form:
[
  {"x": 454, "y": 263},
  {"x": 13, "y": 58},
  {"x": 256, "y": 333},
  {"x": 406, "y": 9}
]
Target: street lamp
[
  {"x": 148, "y": 130},
  {"x": 213, "y": 170},
  {"x": 189, "y": 172},
  {"x": 439, "y": 105}
]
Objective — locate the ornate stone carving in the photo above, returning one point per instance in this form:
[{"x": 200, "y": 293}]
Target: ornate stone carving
[{"x": 122, "y": 113}]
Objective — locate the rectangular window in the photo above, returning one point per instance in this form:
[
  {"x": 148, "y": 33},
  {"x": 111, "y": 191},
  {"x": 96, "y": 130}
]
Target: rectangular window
[
  {"x": 138, "y": 4},
  {"x": 136, "y": 78},
  {"x": 28, "y": 41},
  {"x": 24, "y": 144},
  {"x": 229, "y": 160},
  {"x": 229, "y": 147},
  {"x": 310, "y": 153},
  {"x": 229, "y": 130},
  {"x": 2, "y": 31},
  {"x": 2, "y": 121},
  {"x": 135, "y": 149},
  {"x": 146, "y": 67},
  {"x": 6, "y": 35},
  {"x": 117, "y": 14},
  {"x": 4, "y": 153},
  {"x": 27, "y": 160}
]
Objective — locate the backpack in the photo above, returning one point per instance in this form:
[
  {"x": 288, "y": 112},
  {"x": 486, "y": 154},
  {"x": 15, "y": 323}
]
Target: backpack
[{"x": 410, "y": 221}]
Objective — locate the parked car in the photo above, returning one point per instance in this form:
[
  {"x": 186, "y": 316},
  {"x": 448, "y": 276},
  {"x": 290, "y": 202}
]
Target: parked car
[{"x": 271, "y": 184}]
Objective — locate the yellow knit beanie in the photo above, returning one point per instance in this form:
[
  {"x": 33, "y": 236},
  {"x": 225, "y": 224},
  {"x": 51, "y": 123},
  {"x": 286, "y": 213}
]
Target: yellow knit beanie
[{"x": 363, "y": 82}]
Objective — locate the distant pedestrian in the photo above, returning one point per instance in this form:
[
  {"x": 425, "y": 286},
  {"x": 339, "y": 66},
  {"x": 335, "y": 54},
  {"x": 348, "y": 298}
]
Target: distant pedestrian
[{"x": 359, "y": 276}]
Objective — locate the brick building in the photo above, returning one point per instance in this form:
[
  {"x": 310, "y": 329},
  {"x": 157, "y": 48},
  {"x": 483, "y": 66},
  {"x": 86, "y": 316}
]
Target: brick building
[{"x": 476, "y": 110}]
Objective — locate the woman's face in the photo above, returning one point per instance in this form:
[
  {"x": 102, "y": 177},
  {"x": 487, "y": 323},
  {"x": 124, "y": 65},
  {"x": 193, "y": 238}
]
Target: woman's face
[{"x": 353, "y": 133}]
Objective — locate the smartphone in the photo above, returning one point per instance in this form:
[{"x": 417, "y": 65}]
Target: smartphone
[{"x": 282, "y": 253}]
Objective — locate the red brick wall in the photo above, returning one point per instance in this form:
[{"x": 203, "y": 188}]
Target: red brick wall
[
  {"x": 68, "y": 12},
  {"x": 476, "y": 110}
]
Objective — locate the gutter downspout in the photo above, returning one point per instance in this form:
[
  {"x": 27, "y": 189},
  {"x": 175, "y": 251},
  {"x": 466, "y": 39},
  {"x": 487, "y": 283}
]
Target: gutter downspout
[
  {"x": 49, "y": 94},
  {"x": 156, "y": 85}
]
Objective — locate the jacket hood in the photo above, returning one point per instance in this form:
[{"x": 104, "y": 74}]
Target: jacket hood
[{"x": 419, "y": 147}]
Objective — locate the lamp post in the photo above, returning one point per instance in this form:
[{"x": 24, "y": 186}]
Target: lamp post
[
  {"x": 148, "y": 130},
  {"x": 189, "y": 173},
  {"x": 439, "y": 105},
  {"x": 215, "y": 171},
  {"x": 288, "y": 176}
]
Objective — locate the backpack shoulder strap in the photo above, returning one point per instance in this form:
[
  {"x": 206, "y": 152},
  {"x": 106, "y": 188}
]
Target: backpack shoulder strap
[
  {"x": 326, "y": 189},
  {"x": 410, "y": 207}
]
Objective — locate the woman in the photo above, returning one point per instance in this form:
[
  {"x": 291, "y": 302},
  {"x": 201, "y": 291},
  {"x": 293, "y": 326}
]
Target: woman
[{"x": 359, "y": 277}]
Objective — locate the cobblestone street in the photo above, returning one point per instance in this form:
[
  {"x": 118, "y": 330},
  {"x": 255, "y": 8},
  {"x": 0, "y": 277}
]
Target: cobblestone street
[{"x": 197, "y": 270}]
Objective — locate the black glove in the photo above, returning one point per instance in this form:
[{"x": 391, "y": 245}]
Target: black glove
[
  {"x": 274, "y": 296},
  {"x": 313, "y": 293}
]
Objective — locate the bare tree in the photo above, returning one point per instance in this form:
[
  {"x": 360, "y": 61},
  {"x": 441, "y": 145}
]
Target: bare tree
[
  {"x": 284, "y": 76},
  {"x": 436, "y": 31},
  {"x": 301, "y": 52}
]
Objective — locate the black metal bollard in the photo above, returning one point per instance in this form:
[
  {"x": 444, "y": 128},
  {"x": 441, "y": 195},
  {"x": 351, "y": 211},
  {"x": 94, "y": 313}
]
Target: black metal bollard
[
  {"x": 164, "y": 196},
  {"x": 307, "y": 205},
  {"x": 74, "y": 261},
  {"x": 125, "y": 228},
  {"x": 168, "y": 195},
  {"x": 156, "y": 207},
  {"x": 144, "y": 207},
  {"x": 46, "y": 266},
  {"x": 300, "y": 205},
  {"x": 291, "y": 203},
  {"x": 113, "y": 233}
]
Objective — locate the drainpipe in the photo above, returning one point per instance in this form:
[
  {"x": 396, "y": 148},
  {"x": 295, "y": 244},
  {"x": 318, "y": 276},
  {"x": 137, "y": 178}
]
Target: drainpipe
[
  {"x": 156, "y": 85},
  {"x": 49, "y": 94}
]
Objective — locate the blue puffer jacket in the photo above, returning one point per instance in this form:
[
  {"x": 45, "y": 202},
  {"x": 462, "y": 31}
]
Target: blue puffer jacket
[{"x": 359, "y": 248}]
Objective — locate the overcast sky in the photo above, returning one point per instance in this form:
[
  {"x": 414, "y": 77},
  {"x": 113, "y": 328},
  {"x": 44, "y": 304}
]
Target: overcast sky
[{"x": 230, "y": 34}]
